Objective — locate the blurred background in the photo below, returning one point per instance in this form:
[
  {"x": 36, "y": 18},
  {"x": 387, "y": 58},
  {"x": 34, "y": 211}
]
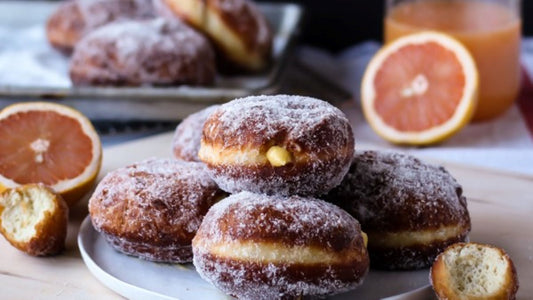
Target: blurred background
[
  {"x": 337, "y": 24},
  {"x": 336, "y": 40}
]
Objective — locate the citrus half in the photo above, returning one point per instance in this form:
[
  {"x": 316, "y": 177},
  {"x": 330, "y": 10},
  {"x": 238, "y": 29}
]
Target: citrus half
[
  {"x": 48, "y": 143},
  {"x": 420, "y": 89}
]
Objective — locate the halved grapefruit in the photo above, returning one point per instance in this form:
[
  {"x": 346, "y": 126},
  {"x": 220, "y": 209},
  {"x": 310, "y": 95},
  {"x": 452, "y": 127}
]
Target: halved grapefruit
[
  {"x": 420, "y": 89},
  {"x": 48, "y": 143}
]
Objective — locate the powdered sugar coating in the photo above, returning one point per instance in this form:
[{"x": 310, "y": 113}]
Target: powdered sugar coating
[
  {"x": 304, "y": 126},
  {"x": 65, "y": 27},
  {"x": 298, "y": 221},
  {"x": 133, "y": 52},
  {"x": 257, "y": 27},
  {"x": 74, "y": 19},
  {"x": 188, "y": 134},
  {"x": 96, "y": 13},
  {"x": 287, "y": 221},
  {"x": 153, "y": 209},
  {"x": 267, "y": 117},
  {"x": 394, "y": 193},
  {"x": 147, "y": 251}
]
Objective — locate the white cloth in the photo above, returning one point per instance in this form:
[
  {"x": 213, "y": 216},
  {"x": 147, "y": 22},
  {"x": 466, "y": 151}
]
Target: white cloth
[
  {"x": 504, "y": 143},
  {"x": 26, "y": 59}
]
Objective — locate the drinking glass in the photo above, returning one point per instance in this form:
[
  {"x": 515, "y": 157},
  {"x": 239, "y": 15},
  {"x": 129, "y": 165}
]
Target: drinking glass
[{"x": 490, "y": 30}]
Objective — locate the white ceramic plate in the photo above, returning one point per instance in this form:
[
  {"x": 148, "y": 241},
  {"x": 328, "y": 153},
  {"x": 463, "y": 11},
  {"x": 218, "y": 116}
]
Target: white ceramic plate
[{"x": 139, "y": 279}]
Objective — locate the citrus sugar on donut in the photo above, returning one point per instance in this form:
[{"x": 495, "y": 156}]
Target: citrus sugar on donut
[
  {"x": 134, "y": 37},
  {"x": 410, "y": 210},
  {"x": 316, "y": 135},
  {"x": 72, "y": 20},
  {"x": 266, "y": 115},
  {"x": 153, "y": 208},
  {"x": 310, "y": 224},
  {"x": 406, "y": 178},
  {"x": 99, "y": 12},
  {"x": 156, "y": 51},
  {"x": 126, "y": 183},
  {"x": 250, "y": 244},
  {"x": 188, "y": 134}
]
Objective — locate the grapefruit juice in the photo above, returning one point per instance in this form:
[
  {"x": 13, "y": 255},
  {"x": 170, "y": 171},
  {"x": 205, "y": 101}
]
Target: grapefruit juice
[{"x": 491, "y": 30}]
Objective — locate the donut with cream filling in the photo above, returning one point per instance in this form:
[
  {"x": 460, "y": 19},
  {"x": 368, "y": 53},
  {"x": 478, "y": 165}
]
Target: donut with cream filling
[
  {"x": 254, "y": 246},
  {"x": 277, "y": 145},
  {"x": 410, "y": 210},
  {"x": 238, "y": 29}
]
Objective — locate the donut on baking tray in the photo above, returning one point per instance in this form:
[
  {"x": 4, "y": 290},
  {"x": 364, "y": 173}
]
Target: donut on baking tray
[
  {"x": 277, "y": 145},
  {"x": 133, "y": 53},
  {"x": 254, "y": 246},
  {"x": 73, "y": 19},
  {"x": 188, "y": 134},
  {"x": 238, "y": 29},
  {"x": 153, "y": 209},
  {"x": 410, "y": 210}
]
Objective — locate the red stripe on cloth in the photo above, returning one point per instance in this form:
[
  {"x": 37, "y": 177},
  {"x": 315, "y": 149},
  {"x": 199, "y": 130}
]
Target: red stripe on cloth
[{"x": 525, "y": 101}]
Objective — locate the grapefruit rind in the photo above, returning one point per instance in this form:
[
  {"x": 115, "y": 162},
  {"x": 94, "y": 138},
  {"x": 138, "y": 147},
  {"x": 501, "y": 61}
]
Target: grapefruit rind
[
  {"x": 74, "y": 188},
  {"x": 463, "y": 113}
]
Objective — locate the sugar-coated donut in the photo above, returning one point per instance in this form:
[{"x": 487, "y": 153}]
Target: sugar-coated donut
[
  {"x": 474, "y": 271},
  {"x": 410, "y": 210},
  {"x": 254, "y": 246},
  {"x": 153, "y": 209},
  {"x": 73, "y": 19},
  {"x": 188, "y": 134},
  {"x": 132, "y": 53},
  {"x": 238, "y": 29},
  {"x": 277, "y": 145}
]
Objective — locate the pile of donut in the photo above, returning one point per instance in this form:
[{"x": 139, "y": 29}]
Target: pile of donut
[
  {"x": 268, "y": 198},
  {"x": 159, "y": 42}
]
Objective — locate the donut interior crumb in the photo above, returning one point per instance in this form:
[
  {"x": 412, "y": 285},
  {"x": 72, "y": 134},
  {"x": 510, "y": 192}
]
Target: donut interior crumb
[
  {"x": 476, "y": 270},
  {"x": 22, "y": 210}
]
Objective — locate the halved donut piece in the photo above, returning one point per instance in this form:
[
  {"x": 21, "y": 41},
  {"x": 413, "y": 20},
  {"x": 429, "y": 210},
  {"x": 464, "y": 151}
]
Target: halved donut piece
[
  {"x": 34, "y": 219},
  {"x": 474, "y": 271}
]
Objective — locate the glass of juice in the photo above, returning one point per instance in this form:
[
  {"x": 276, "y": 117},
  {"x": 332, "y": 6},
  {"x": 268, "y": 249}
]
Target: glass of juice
[{"x": 490, "y": 29}]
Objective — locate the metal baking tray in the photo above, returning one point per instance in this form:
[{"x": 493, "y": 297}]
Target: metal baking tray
[{"x": 145, "y": 102}]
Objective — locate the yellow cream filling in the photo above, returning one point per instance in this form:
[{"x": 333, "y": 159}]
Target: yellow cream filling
[
  {"x": 412, "y": 238},
  {"x": 253, "y": 156},
  {"x": 278, "y": 156},
  {"x": 275, "y": 253}
]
